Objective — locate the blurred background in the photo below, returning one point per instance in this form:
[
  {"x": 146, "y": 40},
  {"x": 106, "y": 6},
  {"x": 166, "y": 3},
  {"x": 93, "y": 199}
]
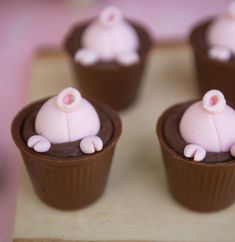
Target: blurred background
[{"x": 29, "y": 25}]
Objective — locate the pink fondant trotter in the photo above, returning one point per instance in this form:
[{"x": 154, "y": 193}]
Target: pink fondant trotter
[
  {"x": 67, "y": 117},
  {"x": 208, "y": 126},
  {"x": 109, "y": 38}
]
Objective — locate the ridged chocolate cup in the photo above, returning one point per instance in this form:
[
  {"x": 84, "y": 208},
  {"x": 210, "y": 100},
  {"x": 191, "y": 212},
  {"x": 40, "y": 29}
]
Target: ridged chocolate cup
[
  {"x": 110, "y": 83},
  {"x": 204, "y": 187},
  {"x": 211, "y": 73},
  {"x": 67, "y": 183}
]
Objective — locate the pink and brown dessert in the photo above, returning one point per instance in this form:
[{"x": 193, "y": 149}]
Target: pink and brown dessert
[
  {"x": 67, "y": 144},
  {"x": 109, "y": 55},
  {"x": 213, "y": 43},
  {"x": 197, "y": 139}
]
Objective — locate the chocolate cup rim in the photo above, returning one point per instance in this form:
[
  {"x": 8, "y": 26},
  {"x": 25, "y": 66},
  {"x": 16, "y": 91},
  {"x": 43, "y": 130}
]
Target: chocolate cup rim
[
  {"x": 180, "y": 157},
  {"x": 111, "y": 66},
  {"x": 64, "y": 161},
  {"x": 194, "y": 40}
]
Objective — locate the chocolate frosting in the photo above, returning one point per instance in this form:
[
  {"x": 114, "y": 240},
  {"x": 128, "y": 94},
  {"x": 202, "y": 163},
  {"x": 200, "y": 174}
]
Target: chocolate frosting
[
  {"x": 70, "y": 149},
  {"x": 174, "y": 139}
]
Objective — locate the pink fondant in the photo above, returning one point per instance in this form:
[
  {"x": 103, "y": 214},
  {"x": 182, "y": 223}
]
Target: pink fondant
[
  {"x": 221, "y": 53},
  {"x": 86, "y": 56},
  {"x": 232, "y": 150},
  {"x": 209, "y": 124},
  {"x": 110, "y": 17},
  {"x": 39, "y": 143},
  {"x": 91, "y": 144},
  {"x": 68, "y": 100},
  {"x": 66, "y": 117},
  {"x": 195, "y": 151},
  {"x": 221, "y": 33},
  {"x": 127, "y": 58},
  {"x": 108, "y": 38},
  {"x": 214, "y": 101}
]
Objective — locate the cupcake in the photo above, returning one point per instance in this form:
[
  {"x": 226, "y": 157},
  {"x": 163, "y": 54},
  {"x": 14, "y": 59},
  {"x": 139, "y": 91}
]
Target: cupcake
[
  {"x": 197, "y": 140},
  {"x": 67, "y": 144},
  {"x": 109, "y": 55},
  {"x": 213, "y": 43}
]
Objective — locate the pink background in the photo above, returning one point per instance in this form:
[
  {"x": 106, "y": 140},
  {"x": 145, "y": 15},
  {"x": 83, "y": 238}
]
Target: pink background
[{"x": 26, "y": 25}]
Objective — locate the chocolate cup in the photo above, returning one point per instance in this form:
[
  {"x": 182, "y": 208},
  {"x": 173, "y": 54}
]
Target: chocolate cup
[
  {"x": 110, "y": 83},
  {"x": 199, "y": 186},
  {"x": 67, "y": 183},
  {"x": 211, "y": 73}
]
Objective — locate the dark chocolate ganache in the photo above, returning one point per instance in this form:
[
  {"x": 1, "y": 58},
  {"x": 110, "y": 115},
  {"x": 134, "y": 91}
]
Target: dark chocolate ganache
[
  {"x": 175, "y": 140},
  {"x": 69, "y": 149}
]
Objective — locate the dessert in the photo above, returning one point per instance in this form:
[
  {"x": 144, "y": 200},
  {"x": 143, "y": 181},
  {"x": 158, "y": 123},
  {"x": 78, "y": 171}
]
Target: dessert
[
  {"x": 67, "y": 144},
  {"x": 109, "y": 55},
  {"x": 197, "y": 141},
  {"x": 214, "y": 51},
  {"x": 108, "y": 38}
]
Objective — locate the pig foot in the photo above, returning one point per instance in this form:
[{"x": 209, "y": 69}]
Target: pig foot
[
  {"x": 220, "y": 53},
  {"x": 91, "y": 144},
  {"x": 128, "y": 58},
  {"x": 196, "y": 152},
  {"x": 86, "y": 57},
  {"x": 39, "y": 143},
  {"x": 232, "y": 150}
]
